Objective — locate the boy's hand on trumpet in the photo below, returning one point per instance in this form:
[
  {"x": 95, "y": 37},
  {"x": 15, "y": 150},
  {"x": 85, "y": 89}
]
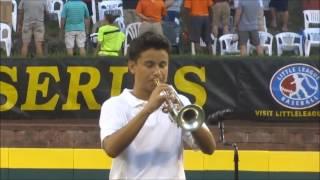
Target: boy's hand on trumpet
[{"x": 157, "y": 97}]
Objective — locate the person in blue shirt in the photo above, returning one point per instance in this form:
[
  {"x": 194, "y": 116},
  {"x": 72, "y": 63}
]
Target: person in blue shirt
[{"x": 75, "y": 23}]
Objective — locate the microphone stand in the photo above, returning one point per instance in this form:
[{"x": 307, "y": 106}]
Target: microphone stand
[
  {"x": 236, "y": 161},
  {"x": 235, "y": 147}
]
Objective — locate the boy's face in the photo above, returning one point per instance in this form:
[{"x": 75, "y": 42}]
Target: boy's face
[{"x": 152, "y": 64}]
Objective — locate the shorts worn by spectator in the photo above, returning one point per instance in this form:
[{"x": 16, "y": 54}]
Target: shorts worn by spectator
[
  {"x": 31, "y": 22},
  {"x": 246, "y": 22},
  {"x": 75, "y": 22},
  {"x": 220, "y": 16},
  {"x": 279, "y": 8},
  {"x": 151, "y": 13}
]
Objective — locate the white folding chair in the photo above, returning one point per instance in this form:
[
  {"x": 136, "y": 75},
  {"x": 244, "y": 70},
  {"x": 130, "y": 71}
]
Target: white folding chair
[
  {"x": 132, "y": 32},
  {"x": 14, "y": 15},
  {"x": 94, "y": 11},
  {"x": 203, "y": 44},
  {"x": 112, "y": 5},
  {"x": 6, "y": 37},
  {"x": 229, "y": 44},
  {"x": 312, "y": 39},
  {"x": 289, "y": 41},
  {"x": 266, "y": 40},
  {"x": 311, "y": 17}
]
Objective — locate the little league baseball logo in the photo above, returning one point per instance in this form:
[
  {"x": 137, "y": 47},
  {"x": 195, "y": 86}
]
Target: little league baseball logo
[{"x": 296, "y": 86}]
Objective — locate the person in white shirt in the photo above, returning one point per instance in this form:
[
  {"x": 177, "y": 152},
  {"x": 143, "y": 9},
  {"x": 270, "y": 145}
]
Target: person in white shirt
[{"x": 135, "y": 130}]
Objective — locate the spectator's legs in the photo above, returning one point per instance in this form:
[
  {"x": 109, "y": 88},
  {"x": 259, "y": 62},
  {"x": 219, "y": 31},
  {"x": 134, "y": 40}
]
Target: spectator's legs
[
  {"x": 255, "y": 40},
  {"x": 206, "y": 34},
  {"x": 261, "y": 20},
  {"x": 225, "y": 30},
  {"x": 70, "y": 51},
  {"x": 24, "y": 49},
  {"x": 197, "y": 47},
  {"x": 39, "y": 50},
  {"x": 39, "y": 38},
  {"x": 209, "y": 49},
  {"x": 216, "y": 12},
  {"x": 243, "y": 50},
  {"x": 259, "y": 50},
  {"x": 284, "y": 18},
  {"x": 273, "y": 18},
  {"x": 26, "y": 38},
  {"x": 82, "y": 51},
  {"x": 225, "y": 17},
  {"x": 243, "y": 40}
]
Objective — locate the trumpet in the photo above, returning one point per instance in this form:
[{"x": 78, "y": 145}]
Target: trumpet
[{"x": 189, "y": 117}]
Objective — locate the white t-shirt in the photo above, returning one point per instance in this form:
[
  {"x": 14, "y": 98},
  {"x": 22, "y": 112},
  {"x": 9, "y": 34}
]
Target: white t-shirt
[{"x": 157, "y": 150}]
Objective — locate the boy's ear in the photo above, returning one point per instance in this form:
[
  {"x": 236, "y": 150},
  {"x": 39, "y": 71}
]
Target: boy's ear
[{"x": 131, "y": 66}]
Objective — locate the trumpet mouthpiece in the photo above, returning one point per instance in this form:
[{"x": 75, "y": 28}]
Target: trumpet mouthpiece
[{"x": 156, "y": 81}]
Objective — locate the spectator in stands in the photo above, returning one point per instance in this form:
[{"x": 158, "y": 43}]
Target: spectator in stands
[
  {"x": 31, "y": 22},
  {"x": 171, "y": 23},
  {"x": 279, "y": 8},
  {"x": 110, "y": 38},
  {"x": 129, "y": 12},
  {"x": 151, "y": 13},
  {"x": 75, "y": 22},
  {"x": 220, "y": 16},
  {"x": 134, "y": 128},
  {"x": 199, "y": 22},
  {"x": 247, "y": 25}
]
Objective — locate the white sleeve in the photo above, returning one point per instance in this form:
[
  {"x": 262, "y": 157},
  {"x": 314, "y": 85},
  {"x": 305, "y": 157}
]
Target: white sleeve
[{"x": 112, "y": 118}]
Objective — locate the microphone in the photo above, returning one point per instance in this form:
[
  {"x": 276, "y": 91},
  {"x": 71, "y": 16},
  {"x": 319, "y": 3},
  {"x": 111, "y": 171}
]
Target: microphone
[{"x": 218, "y": 117}]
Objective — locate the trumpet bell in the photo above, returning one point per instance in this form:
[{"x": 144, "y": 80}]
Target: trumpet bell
[{"x": 190, "y": 117}]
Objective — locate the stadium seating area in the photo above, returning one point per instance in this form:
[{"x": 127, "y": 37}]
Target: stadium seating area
[{"x": 300, "y": 41}]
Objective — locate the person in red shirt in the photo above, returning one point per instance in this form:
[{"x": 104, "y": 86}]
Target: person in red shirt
[
  {"x": 151, "y": 13},
  {"x": 199, "y": 26}
]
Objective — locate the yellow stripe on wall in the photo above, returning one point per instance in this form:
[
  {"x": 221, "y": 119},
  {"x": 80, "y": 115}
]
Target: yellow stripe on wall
[{"x": 264, "y": 161}]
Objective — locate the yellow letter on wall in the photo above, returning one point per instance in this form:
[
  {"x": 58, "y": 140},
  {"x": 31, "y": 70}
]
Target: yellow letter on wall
[
  {"x": 35, "y": 87},
  {"x": 86, "y": 89},
  {"x": 118, "y": 73},
  {"x": 189, "y": 87},
  {"x": 7, "y": 89}
]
